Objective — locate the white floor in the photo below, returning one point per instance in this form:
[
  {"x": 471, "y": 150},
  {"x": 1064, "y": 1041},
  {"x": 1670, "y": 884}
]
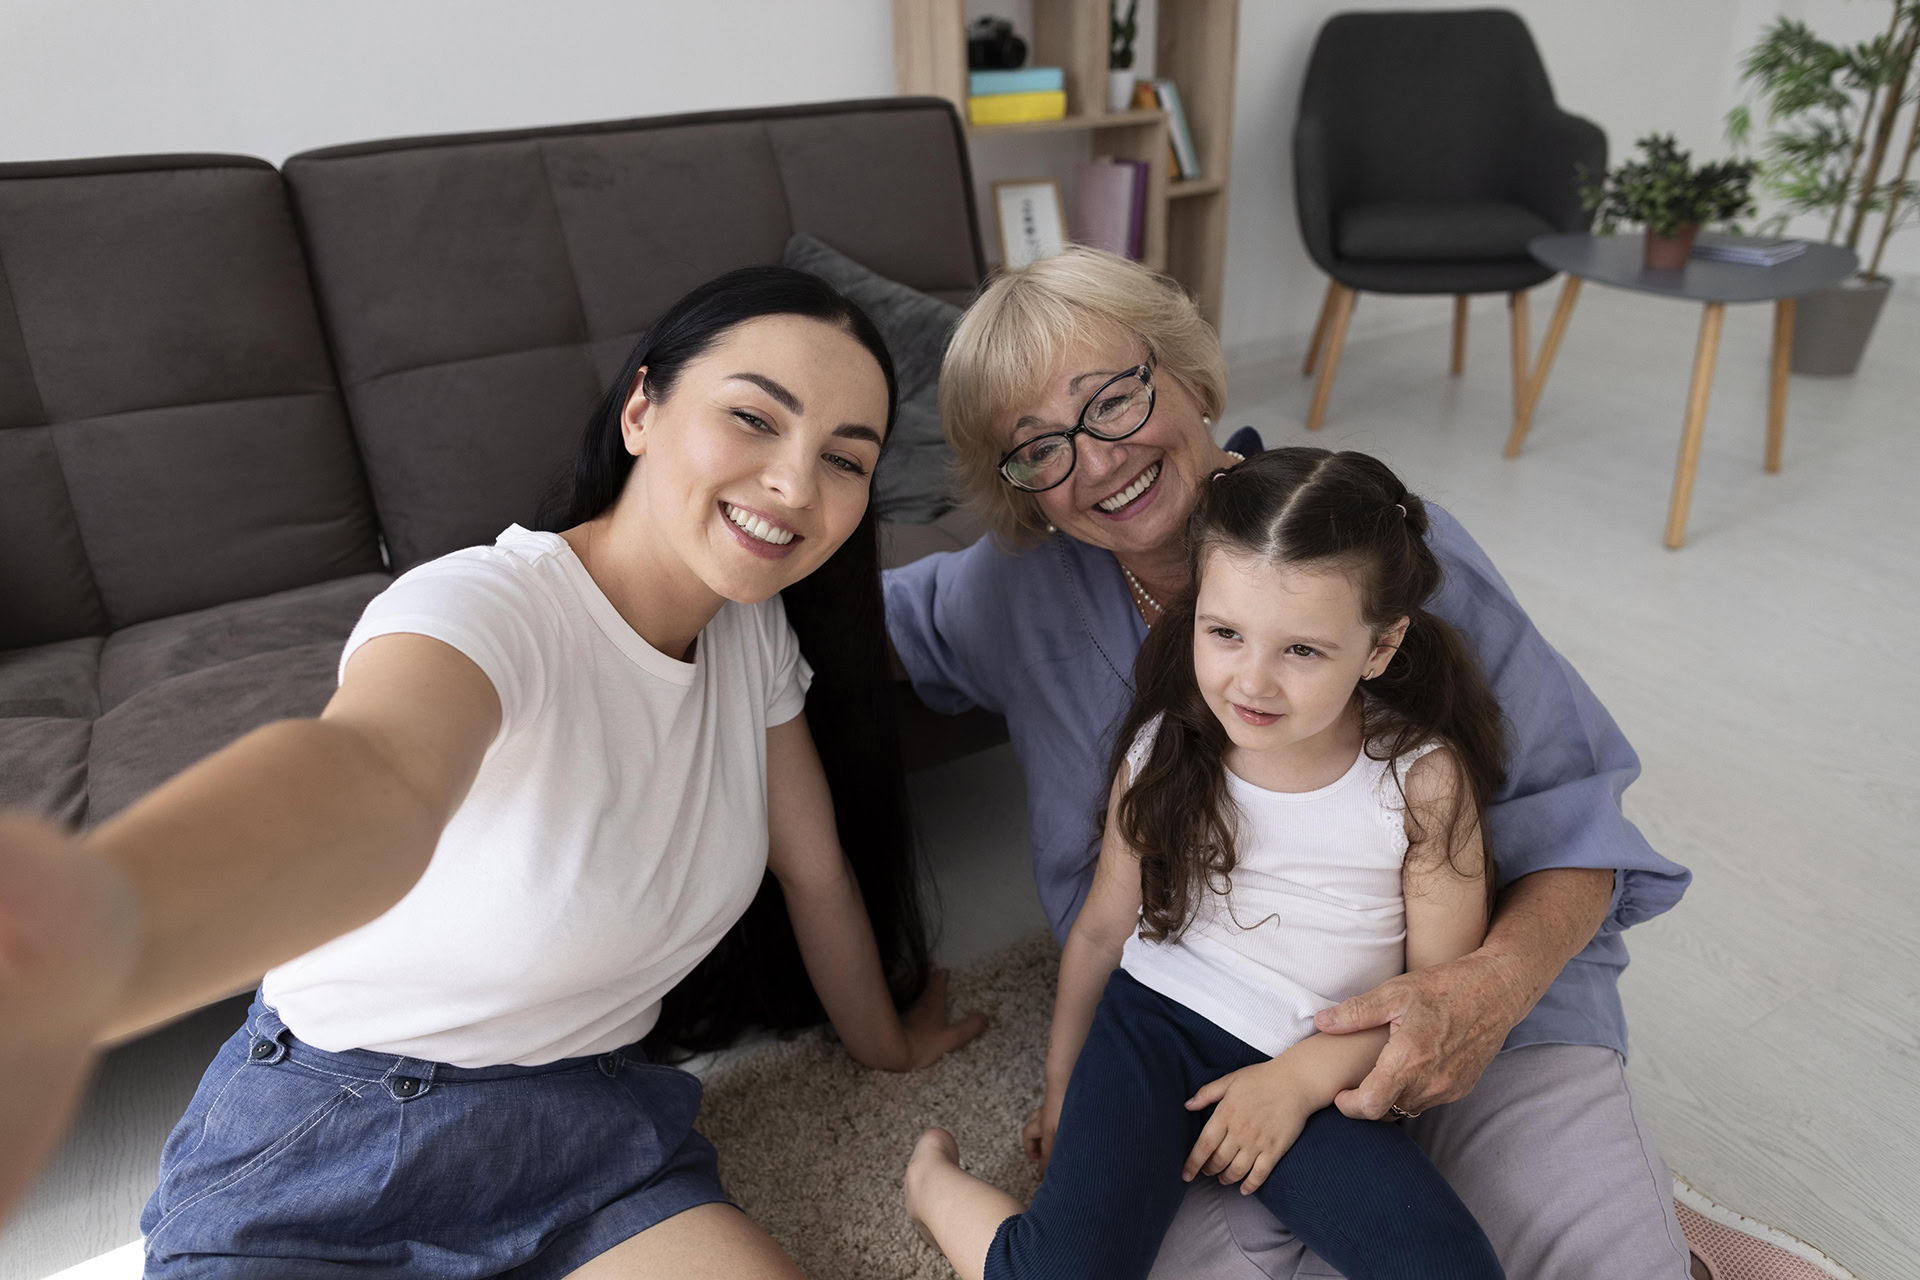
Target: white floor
[{"x": 1766, "y": 673}]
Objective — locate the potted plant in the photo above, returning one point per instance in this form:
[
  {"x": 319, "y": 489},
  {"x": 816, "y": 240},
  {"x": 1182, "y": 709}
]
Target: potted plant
[
  {"x": 1665, "y": 192},
  {"x": 1120, "y": 56},
  {"x": 1835, "y": 114}
]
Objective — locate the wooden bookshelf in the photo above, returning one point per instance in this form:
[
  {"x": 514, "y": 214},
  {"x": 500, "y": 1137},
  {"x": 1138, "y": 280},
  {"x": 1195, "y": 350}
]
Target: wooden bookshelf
[{"x": 1186, "y": 231}]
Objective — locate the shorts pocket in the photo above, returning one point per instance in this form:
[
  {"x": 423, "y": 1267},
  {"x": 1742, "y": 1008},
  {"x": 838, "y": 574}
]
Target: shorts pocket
[{"x": 258, "y": 1115}]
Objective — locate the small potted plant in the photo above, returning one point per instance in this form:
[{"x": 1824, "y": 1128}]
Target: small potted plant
[
  {"x": 1836, "y": 117},
  {"x": 1120, "y": 56},
  {"x": 1663, "y": 191}
]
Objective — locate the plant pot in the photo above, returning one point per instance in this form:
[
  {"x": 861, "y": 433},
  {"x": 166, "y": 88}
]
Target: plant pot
[
  {"x": 1670, "y": 253},
  {"x": 1831, "y": 327},
  {"x": 1120, "y": 90}
]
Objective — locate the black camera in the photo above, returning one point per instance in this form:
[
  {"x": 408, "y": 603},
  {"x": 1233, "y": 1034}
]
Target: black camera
[{"x": 992, "y": 46}]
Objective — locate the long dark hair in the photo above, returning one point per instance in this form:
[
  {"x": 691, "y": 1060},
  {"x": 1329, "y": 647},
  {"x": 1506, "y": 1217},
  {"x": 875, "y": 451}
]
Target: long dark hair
[
  {"x": 1299, "y": 507},
  {"x": 755, "y": 978}
]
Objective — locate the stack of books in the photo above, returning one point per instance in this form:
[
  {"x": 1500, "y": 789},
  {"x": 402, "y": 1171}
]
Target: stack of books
[
  {"x": 1752, "y": 251},
  {"x": 1016, "y": 97},
  {"x": 1110, "y": 206},
  {"x": 1163, "y": 95}
]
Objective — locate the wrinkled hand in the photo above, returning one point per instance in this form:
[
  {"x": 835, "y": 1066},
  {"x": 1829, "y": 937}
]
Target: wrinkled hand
[
  {"x": 1258, "y": 1111},
  {"x": 67, "y": 938},
  {"x": 930, "y": 1037},
  {"x": 1036, "y": 1135},
  {"x": 1444, "y": 1024}
]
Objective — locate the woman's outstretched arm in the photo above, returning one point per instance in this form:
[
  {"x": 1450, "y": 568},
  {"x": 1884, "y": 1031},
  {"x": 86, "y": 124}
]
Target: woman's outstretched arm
[
  {"x": 300, "y": 831},
  {"x": 293, "y": 835}
]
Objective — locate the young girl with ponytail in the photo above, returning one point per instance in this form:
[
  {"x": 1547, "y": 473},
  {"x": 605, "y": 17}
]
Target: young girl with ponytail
[{"x": 1294, "y": 818}]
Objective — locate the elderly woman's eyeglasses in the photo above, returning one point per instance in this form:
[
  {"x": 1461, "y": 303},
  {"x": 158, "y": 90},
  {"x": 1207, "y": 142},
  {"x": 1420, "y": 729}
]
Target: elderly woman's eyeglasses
[{"x": 1119, "y": 408}]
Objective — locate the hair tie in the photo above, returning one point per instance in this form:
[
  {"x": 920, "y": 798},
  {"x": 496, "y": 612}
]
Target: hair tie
[
  {"x": 1218, "y": 472},
  {"x": 1402, "y": 510}
]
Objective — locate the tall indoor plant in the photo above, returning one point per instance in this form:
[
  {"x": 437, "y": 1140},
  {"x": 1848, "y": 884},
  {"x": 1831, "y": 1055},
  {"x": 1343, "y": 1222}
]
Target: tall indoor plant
[{"x": 1845, "y": 129}]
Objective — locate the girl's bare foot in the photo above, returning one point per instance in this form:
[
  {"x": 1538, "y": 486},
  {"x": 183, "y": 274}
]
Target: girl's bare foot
[
  {"x": 935, "y": 1152},
  {"x": 67, "y": 936}
]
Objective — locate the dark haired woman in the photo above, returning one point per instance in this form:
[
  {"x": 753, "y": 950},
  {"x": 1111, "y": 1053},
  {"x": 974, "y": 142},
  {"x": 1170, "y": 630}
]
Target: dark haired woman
[
  {"x": 553, "y": 778},
  {"x": 1295, "y": 818}
]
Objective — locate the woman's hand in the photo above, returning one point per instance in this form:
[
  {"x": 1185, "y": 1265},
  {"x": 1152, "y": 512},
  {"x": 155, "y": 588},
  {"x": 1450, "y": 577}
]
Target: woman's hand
[
  {"x": 930, "y": 1037},
  {"x": 1258, "y": 1111},
  {"x": 1445, "y": 1023},
  {"x": 67, "y": 937},
  {"x": 1036, "y": 1135}
]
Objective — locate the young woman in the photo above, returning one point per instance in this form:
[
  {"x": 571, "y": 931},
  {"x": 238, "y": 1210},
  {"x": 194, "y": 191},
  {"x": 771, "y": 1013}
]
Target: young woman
[
  {"x": 1295, "y": 817},
  {"x": 554, "y": 776}
]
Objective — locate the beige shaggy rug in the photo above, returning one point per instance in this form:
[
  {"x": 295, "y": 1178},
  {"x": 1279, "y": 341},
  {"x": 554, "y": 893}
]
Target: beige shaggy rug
[{"x": 813, "y": 1147}]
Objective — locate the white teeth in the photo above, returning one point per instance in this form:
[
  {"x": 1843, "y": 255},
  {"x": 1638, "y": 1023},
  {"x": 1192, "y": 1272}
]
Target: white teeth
[
  {"x": 1132, "y": 491},
  {"x": 755, "y": 526}
]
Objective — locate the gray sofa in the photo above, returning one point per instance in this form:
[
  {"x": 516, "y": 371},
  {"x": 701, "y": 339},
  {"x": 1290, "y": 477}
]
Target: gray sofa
[{"x": 234, "y": 401}]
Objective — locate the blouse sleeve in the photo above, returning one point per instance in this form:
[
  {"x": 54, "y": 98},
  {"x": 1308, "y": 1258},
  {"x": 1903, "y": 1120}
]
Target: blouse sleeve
[
  {"x": 1567, "y": 761},
  {"x": 944, "y": 612}
]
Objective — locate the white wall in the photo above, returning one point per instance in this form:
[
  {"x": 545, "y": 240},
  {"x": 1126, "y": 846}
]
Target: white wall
[{"x": 270, "y": 78}]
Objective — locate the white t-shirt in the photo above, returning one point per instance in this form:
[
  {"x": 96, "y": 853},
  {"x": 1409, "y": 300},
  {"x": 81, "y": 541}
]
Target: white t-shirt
[
  {"x": 1316, "y": 911},
  {"x": 616, "y": 830}
]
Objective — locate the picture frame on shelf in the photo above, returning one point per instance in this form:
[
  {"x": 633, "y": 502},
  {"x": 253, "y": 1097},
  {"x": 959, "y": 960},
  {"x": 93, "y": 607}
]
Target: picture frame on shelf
[{"x": 1032, "y": 220}]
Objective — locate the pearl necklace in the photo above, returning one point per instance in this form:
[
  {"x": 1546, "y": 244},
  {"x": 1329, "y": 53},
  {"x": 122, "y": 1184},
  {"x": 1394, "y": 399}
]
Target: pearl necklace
[{"x": 1134, "y": 582}]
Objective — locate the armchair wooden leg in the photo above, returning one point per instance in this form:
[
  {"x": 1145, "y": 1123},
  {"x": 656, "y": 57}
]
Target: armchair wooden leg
[
  {"x": 1777, "y": 395},
  {"x": 1703, "y": 358},
  {"x": 1320, "y": 329},
  {"x": 1336, "y": 341},
  {"x": 1459, "y": 334},
  {"x": 1536, "y": 383},
  {"x": 1522, "y": 333}
]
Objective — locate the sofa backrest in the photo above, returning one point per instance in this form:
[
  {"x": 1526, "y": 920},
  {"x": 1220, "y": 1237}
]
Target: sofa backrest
[
  {"x": 481, "y": 291},
  {"x": 171, "y": 434}
]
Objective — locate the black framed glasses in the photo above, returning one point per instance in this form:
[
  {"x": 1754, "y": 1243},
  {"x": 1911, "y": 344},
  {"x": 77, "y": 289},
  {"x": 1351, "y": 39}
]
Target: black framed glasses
[{"x": 1119, "y": 408}]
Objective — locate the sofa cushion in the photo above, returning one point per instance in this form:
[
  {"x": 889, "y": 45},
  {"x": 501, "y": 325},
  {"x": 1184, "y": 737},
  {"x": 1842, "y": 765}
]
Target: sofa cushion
[
  {"x": 911, "y": 483},
  {"x": 88, "y": 726},
  {"x": 1437, "y": 231},
  {"x": 171, "y": 435},
  {"x": 482, "y": 291}
]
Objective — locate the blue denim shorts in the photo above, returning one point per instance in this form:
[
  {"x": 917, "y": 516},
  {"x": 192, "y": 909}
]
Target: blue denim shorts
[{"x": 292, "y": 1162}]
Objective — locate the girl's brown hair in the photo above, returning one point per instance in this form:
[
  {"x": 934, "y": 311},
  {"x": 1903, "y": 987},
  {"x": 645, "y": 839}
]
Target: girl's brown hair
[{"x": 1299, "y": 507}]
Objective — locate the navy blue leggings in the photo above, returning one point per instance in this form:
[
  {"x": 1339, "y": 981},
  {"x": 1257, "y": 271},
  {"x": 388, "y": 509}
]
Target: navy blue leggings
[{"x": 1357, "y": 1192}]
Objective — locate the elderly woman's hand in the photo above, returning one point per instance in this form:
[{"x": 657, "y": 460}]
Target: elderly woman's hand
[{"x": 1445, "y": 1023}]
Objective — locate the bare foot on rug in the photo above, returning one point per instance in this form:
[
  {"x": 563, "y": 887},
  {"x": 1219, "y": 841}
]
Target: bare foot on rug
[{"x": 952, "y": 1210}]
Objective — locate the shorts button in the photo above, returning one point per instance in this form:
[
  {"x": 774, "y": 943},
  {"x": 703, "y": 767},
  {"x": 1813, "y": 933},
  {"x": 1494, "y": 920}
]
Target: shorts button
[
  {"x": 263, "y": 1048},
  {"x": 406, "y": 1086},
  {"x": 608, "y": 1064}
]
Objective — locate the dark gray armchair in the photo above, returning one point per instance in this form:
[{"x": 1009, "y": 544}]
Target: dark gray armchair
[{"x": 1428, "y": 151}]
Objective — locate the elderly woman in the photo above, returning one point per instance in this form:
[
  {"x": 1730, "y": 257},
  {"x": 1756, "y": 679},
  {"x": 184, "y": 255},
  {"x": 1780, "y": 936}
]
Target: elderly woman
[{"x": 1079, "y": 395}]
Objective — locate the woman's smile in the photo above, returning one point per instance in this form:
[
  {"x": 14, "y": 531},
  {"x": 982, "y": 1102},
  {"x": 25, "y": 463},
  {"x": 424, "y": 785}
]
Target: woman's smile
[
  {"x": 1136, "y": 496},
  {"x": 758, "y": 532}
]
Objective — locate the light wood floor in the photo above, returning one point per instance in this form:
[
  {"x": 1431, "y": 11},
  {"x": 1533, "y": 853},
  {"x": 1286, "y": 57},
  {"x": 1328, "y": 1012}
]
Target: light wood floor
[{"x": 1766, "y": 674}]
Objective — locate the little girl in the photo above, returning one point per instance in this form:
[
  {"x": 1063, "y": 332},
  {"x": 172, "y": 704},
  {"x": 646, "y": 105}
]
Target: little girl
[{"x": 1295, "y": 817}]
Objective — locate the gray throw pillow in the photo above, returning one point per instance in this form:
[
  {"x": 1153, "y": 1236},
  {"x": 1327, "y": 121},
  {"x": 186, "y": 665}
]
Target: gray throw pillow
[{"x": 911, "y": 484}]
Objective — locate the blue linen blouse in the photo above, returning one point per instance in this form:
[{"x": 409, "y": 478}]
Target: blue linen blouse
[{"x": 1046, "y": 637}]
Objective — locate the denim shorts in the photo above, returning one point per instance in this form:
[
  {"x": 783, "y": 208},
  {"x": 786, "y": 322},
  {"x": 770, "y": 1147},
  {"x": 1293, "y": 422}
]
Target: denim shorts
[{"x": 292, "y": 1162}]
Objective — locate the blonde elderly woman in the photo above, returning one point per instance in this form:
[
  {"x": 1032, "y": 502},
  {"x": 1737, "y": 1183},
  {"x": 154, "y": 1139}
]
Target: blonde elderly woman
[{"x": 1080, "y": 395}]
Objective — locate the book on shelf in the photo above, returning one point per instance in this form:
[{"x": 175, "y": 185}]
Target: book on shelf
[
  {"x": 983, "y": 84},
  {"x": 1752, "y": 251},
  {"x": 1186, "y": 158},
  {"x": 1016, "y": 108},
  {"x": 1110, "y": 206}
]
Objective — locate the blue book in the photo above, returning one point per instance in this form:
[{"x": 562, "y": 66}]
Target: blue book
[{"x": 981, "y": 84}]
